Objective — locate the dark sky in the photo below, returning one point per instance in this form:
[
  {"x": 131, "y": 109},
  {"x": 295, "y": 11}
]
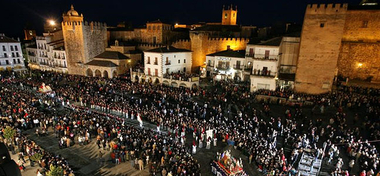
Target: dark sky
[{"x": 15, "y": 14}]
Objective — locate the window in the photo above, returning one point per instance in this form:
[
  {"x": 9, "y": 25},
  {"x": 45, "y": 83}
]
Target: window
[
  {"x": 148, "y": 60},
  {"x": 14, "y": 61},
  {"x": 4, "y": 48},
  {"x": 365, "y": 24},
  {"x": 167, "y": 61},
  {"x": 18, "y": 55},
  {"x": 11, "y": 48},
  {"x": 179, "y": 61},
  {"x": 18, "y": 61},
  {"x": 5, "y": 55},
  {"x": 7, "y": 62},
  {"x": 16, "y": 48},
  {"x": 174, "y": 56},
  {"x": 156, "y": 72},
  {"x": 225, "y": 16},
  {"x": 233, "y": 14},
  {"x": 184, "y": 61},
  {"x": 148, "y": 27},
  {"x": 148, "y": 71},
  {"x": 322, "y": 25},
  {"x": 155, "y": 61},
  {"x": 154, "y": 27},
  {"x": 158, "y": 27}
]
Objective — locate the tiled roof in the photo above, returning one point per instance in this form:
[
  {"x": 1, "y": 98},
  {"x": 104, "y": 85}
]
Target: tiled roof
[
  {"x": 272, "y": 42},
  {"x": 111, "y": 55},
  {"x": 101, "y": 63},
  {"x": 230, "y": 53}
]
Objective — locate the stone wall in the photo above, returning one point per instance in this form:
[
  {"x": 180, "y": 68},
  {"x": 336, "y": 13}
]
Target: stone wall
[
  {"x": 74, "y": 46},
  {"x": 95, "y": 38},
  {"x": 321, "y": 37},
  {"x": 362, "y": 25},
  {"x": 182, "y": 44},
  {"x": 360, "y": 60}
]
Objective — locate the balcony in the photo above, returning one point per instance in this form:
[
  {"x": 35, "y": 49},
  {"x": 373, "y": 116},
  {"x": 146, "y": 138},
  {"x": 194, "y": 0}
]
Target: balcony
[
  {"x": 155, "y": 63},
  {"x": 264, "y": 73},
  {"x": 263, "y": 57},
  {"x": 167, "y": 63},
  {"x": 287, "y": 69},
  {"x": 223, "y": 67}
]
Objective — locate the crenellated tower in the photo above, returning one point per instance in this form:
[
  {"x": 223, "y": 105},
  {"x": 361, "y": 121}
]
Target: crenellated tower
[
  {"x": 83, "y": 40},
  {"x": 321, "y": 38}
]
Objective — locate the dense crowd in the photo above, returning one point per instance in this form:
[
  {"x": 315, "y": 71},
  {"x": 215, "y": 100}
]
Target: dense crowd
[{"x": 178, "y": 110}]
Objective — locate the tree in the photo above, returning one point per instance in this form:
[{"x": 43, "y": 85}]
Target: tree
[
  {"x": 36, "y": 157},
  {"x": 9, "y": 133},
  {"x": 55, "y": 171}
]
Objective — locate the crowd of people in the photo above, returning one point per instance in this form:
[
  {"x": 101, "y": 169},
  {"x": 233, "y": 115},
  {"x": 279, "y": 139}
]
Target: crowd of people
[{"x": 181, "y": 110}]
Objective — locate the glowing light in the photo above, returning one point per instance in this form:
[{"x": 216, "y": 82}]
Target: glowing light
[
  {"x": 176, "y": 24},
  {"x": 52, "y": 22},
  {"x": 360, "y": 65},
  {"x": 129, "y": 61}
]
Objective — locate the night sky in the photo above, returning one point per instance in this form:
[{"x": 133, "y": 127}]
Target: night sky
[{"x": 15, "y": 14}]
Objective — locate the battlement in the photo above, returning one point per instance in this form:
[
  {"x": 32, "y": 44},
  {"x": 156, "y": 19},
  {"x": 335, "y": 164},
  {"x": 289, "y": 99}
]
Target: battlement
[
  {"x": 182, "y": 40},
  {"x": 326, "y": 8},
  {"x": 85, "y": 23},
  {"x": 229, "y": 39}
]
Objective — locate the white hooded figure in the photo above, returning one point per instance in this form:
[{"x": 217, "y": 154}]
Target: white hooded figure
[
  {"x": 215, "y": 141},
  {"x": 208, "y": 143},
  {"x": 140, "y": 120},
  {"x": 158, "y": 128},
  {"x": 194, "y": 150}
]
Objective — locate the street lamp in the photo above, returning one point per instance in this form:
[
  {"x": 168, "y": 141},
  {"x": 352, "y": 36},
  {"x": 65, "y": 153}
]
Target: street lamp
[{"x": 52, "y": 22}]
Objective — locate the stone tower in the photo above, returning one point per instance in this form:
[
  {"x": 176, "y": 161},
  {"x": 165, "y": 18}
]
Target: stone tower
[
  {"x": 229, "y": 15},
  {"x": 199, "y": 46},
  {"x": 321, "y": 38},
  {"x": 83, "y": 40}
]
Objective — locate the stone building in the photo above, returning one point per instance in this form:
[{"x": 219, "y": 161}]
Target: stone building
[
  {"x": 108, "y": 64},
  {"x": 229, "y": 15},
  {"x": 83, "y": 41},
  {"x": 338, "y": 39},
  {"x": 359, "y": 56},
  {"x": 321, "y": 37},
  {"x": 11, "y": 57}
]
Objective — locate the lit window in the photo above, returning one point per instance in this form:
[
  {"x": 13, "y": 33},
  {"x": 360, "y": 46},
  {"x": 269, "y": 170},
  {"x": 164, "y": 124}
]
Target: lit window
[{"x": 225, "y": 16}]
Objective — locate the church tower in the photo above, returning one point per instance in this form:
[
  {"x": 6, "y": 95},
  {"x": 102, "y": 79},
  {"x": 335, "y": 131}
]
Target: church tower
[
  {"x": 83, "y": 40},
  {"x": 229, "y": 15}
]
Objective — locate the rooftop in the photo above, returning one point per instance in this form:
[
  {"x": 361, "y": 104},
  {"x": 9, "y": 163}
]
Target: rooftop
[
  {"x": 101, "y": 63},
  {"x": 111, "y": 55},
  {"x": 271, "y": 42},
  {"x": 363, "y": 7},
  {"x": 230, "y": 53},
  {"x": 5, "y": 39},
  {"x": 169, "y": 49}
]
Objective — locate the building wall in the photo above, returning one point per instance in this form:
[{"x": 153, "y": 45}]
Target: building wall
[
  {"x": 182, "y": 44},
  {"x": 83, "y": 41},
  {"x": 257, "y": 80},
  {"x": 259, "y": 64},
  {"x": 359, "y": 55},
  {"x": 289, "y": 49},
  {"x": 360, "y": 60},
  {"x": 151, "y": 64},
  {"x": 319, "y": 47},
  {"x": 176, "y": 66},
  {"x": 229, "y": 16},
  {"x": 13, "y": 59}
]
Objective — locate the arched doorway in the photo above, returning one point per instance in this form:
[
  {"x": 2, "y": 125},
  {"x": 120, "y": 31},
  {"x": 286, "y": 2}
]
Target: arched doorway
[
  {"x": 166, "y": 83},
  {"x": 174, "y": 84},
  {"x": 114, "y": 74},
  {"x": 157, "y": 81},
  {"x": 194, "y": 86},
  {"x": 89, "y": 73},
  {"x": 98, "y": 73},
  {"x": 136, "y": 78},
  {"x": 182, "y": 85},
  {"x": 105, "y": 74}
]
